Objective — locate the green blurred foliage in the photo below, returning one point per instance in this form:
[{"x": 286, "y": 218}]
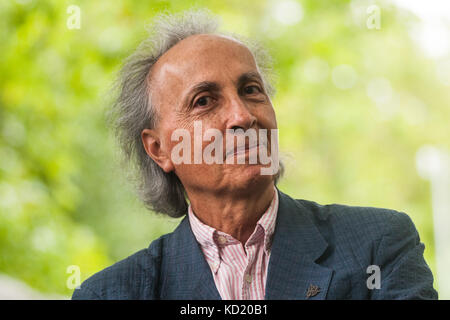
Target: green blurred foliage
[{"x": 64, "y": 199}]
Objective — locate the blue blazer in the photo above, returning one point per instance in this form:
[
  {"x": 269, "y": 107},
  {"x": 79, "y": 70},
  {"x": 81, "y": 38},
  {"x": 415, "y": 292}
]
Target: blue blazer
[{"x": 326, "y": 246}]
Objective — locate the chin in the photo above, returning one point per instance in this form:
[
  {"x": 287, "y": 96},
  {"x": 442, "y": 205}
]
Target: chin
[{"x": 249, "y": 176}]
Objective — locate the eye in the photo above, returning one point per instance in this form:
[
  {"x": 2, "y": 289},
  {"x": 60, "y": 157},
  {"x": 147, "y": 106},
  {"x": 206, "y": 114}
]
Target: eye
[
  {"x": 203, "y": 101},
  {"x": 252, "y": 90}
]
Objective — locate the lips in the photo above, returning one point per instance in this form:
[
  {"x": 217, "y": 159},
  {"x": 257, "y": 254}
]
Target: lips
[{"x": 241, "y": 150}]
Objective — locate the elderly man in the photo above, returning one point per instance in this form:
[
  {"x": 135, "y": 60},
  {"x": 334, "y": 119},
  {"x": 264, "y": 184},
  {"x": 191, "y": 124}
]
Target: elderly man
[{"x": 241, "y": 237}]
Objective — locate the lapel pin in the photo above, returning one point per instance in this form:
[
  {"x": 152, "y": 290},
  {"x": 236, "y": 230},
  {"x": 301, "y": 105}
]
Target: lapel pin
[{"x": 312, "y": 291}]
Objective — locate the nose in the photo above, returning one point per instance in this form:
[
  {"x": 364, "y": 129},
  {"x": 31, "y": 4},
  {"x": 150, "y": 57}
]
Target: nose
[{"x": 240, "y": 115}]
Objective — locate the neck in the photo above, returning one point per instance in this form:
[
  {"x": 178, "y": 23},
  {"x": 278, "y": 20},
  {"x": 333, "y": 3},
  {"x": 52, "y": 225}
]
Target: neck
[{"x": 235, "y": 213}]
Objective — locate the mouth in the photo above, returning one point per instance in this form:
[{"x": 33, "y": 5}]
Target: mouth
[{"x": 243, "y": 150}]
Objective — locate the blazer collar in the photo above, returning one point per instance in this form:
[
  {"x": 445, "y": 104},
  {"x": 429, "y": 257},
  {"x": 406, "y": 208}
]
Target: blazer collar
[{"x": 296, "y": 245}]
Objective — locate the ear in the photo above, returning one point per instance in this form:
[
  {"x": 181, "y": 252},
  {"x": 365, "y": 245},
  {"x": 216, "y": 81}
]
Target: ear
[{"x": 152, "y": 145}]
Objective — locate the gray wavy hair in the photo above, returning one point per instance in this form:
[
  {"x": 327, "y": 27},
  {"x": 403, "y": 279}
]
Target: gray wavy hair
[{"x": 132, "y": 110}]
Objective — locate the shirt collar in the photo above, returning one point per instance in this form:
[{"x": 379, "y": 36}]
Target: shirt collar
[
  {"x": 267, "y": 223},
  {"x": 208, "y": 237}
]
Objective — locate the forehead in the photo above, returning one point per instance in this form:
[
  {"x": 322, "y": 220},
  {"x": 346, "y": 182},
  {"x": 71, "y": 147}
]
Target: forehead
[{"x": 202, "y": 58}]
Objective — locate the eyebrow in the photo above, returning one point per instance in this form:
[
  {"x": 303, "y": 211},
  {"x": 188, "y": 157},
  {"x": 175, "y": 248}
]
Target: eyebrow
[
  {"x": 249, "y": 76},
  {"x": 215, "y": 87},
  {"x": 200, "y": 87}
]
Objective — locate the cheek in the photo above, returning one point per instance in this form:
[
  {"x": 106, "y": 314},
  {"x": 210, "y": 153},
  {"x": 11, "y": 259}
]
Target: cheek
[{"x": 267, "y": 118}]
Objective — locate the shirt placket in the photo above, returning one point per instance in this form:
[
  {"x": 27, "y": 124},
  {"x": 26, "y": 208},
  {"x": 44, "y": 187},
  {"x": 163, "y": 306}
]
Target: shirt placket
[{"x": 248, "y": 277}]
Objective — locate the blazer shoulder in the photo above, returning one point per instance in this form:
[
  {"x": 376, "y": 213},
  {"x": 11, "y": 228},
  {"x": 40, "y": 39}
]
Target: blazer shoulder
[
  {"x": 135, "y": 277},
  {"x": 368, "y": 222}
]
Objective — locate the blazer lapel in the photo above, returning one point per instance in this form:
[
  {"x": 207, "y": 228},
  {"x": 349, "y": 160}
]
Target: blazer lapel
[
  {"x": 293, "y": 272},
  {"x": 188, "y": 274}
]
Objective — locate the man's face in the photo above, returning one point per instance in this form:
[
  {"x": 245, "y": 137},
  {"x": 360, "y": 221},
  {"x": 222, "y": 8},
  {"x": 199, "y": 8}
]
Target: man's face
[{"x": 214, "y": 80}]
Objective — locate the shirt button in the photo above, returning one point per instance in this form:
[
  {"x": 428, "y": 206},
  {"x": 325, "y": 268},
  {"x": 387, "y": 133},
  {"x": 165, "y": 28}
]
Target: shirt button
[
  {"x": 248, "y": 278},
  {"x": 222, "y": 240}
]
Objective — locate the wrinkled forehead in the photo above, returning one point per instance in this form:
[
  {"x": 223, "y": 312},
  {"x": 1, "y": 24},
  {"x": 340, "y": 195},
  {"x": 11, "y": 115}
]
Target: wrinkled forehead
[{"x": 202, "y": 58}]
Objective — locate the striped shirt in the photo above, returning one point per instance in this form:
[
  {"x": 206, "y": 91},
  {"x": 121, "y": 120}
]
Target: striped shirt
[{"x": 238, "y": 274}]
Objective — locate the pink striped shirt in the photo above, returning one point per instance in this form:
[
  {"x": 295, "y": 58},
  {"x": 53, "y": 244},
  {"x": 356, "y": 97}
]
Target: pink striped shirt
[{"x": 238, "y": 274}]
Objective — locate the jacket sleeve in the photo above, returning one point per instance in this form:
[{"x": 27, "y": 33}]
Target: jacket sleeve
[{"x": 404, "y": 272}]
